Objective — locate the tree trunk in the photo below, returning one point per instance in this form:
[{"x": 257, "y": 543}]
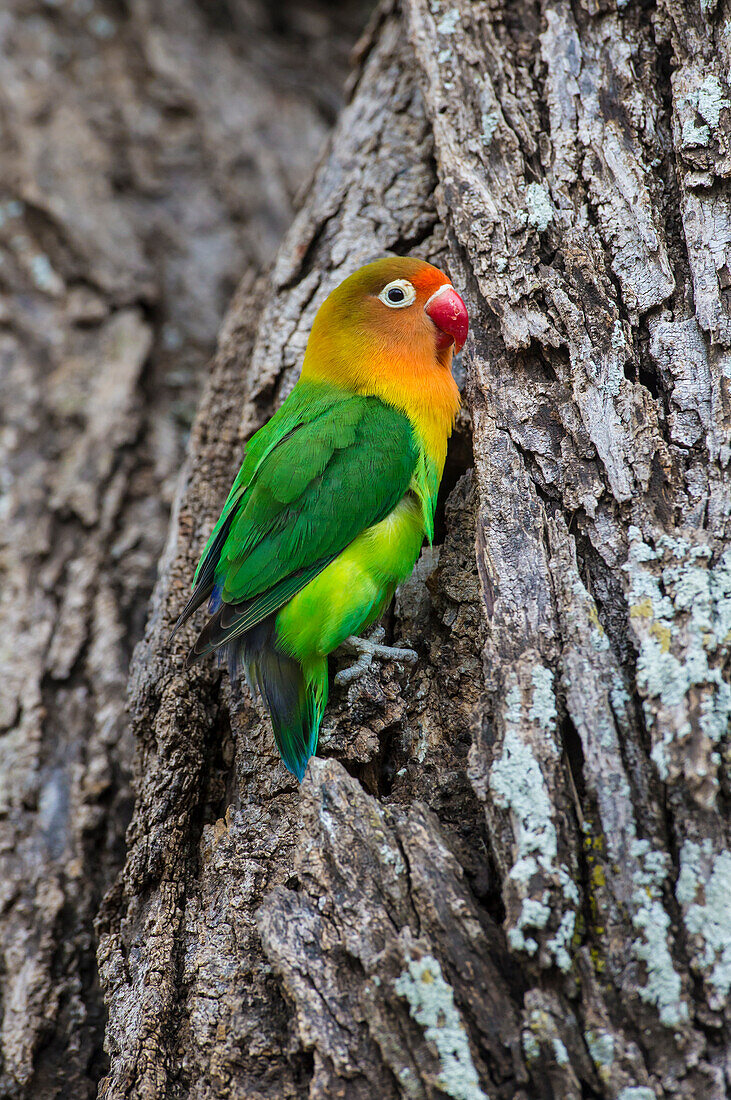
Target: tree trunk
[
  {"x": 508, "y": 878},
  {"x": 151, "y": 150}
]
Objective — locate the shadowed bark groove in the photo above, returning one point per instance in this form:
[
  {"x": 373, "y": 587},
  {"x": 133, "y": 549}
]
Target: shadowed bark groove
[{"x": 509, "y": 876}]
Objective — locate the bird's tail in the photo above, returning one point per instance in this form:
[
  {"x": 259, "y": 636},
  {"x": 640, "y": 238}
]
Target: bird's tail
[{"x": 295, "y": 695}]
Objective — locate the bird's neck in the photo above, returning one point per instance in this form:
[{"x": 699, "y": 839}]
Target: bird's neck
[
  {"x": 421, "y": 387},
  {"x": 430, "y": 399}
]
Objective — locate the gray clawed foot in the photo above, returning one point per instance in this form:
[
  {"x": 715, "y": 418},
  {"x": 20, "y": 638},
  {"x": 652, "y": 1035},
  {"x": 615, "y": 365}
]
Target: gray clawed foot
[{"x": 367, "y": 649}]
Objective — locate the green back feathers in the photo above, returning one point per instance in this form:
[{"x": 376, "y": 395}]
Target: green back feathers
[
  {"x": 324, "y": 468},
  {"x": 315, "y": 491},
  {"x": 304, "y": 405}
]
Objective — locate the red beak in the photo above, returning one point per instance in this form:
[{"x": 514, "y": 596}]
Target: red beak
[{"x": 449, "y": 313}]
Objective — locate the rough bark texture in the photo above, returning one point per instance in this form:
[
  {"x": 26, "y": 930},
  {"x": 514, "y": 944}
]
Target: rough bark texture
[
  {"x": 150, "y": 153},
  {"x": 510, "y": 876}
]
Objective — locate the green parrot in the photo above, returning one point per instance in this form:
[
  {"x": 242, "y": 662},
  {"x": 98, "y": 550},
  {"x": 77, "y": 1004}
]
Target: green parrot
[{"x": 329, "y": 510}]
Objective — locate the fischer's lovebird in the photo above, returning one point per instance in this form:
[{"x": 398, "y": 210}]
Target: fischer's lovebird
[{"x": 336, "y": 493}]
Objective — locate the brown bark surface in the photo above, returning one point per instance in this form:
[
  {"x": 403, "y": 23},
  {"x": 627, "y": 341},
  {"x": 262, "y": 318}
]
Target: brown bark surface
[{"x": 509, "y": 875}]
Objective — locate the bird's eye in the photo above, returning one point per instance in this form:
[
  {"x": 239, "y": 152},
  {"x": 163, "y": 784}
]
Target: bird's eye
[{"x": 398, "y": 294}]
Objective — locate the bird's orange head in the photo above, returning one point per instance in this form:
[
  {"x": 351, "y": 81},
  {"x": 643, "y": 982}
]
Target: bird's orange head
[{"x": 390, "y": 330}]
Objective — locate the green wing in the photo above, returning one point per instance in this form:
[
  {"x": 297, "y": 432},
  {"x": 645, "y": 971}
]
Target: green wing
[
  {"x": 298, "y": 501},
  {"x": 304, "y": 405}
]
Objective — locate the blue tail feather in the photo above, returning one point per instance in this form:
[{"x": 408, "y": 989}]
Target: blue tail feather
[
  {"x": 295, "y": 699},
  {"x": 216, "y": 598}
]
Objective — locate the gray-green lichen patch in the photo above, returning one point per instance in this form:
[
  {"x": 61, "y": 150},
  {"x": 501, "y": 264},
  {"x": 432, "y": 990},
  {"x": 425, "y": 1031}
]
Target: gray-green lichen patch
[
  {"x": 703, "y": 891},
  {"x": 541, "y": 1030},
  {"x": 101, "y": 26},
  {"x": 10, "y": 210},
  {"x": 680, "y": 609},
  {"x": 700, "y": 111},
  {"x": 560, "y": 1053},
  {"x": 663, "y": 986},
  {"x": 601, "y": 1047},
  {"x": 636, "y": 1092},
  {"x": 538, "y": 204},
  {"x": 490, "y": 112},
  {"x": 448, "y": 22},
  {"x": 43, "y": 274},
  {"x": 711, "y": 100},
  {"x": 619, "y": 341},
  {"x": 431, "y": 1004},
  {"x": 517, "y": 784},
  {"x": 542, "y": 888},
  {"x": 543, "y": 704},
  {"x": 489, "y": 121},
  {"x": 35, "y": 263},
  {"x": 560, "y": 943},
  {"x": 531, "y": 1046},
  {"x": 694, "y": 134}
]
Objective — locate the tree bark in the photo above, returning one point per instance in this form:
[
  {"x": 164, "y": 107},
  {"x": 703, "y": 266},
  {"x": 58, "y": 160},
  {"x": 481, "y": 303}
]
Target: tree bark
[
  {"x": 150, "y": 153},
  {"x": 508, "y": 876}
]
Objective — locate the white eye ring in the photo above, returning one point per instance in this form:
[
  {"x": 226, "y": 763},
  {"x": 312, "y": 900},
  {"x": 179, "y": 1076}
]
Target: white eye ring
[{"x": 407, "y": 290}]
